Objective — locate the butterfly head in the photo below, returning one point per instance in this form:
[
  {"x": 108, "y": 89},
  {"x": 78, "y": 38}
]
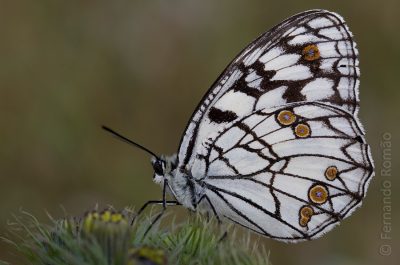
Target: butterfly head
[
  {"x": 163, "y": 167},
  {"x": 159, "y": 169}
]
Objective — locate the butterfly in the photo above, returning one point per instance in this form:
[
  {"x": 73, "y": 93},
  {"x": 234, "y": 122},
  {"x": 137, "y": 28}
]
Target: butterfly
[{"x": 275, "y": 145}]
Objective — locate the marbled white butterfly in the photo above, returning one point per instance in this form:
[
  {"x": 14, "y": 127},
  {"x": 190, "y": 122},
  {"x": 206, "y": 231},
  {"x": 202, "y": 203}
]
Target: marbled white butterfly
[{"x": 275, "y": 145}]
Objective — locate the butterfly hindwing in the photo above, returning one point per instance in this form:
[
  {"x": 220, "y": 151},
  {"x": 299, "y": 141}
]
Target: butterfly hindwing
[
  {"x": 290, "y": 173},
  {"x": 308, "y": 57}
]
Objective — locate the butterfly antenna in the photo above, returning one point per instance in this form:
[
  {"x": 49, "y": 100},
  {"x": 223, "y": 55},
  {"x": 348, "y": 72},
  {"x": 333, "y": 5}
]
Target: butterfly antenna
[{"x": 126, "y": 140}]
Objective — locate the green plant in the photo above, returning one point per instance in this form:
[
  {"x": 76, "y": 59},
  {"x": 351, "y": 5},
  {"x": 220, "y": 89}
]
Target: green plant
[{"x": 111, "y": 237}]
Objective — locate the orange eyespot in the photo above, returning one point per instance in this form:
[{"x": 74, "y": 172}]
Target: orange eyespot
[
  {"x": 331, "y": 173},
  {"x": 304, "y": 221},
  {"x": 286, "y": 117},
  {"x": 306, "y": 212},
  {"x": 318, "y": 194},
  {"x": 302, "y": 130},
  {"x": 311, "y": 52}
]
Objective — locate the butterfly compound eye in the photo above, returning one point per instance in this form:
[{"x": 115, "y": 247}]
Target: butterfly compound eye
[{"x": 158, "y": 167}]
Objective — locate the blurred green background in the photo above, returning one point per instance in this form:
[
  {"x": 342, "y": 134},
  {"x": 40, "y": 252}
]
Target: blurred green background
[{"x": 141, "y": 67}]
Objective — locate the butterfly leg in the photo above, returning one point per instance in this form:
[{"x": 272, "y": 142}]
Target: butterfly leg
[
  {"x": 164, "y": 203},
  {"x": 205, "y": 197},
  {"x": 158, "y": 202},
  {"x": 152, "y": 202}
]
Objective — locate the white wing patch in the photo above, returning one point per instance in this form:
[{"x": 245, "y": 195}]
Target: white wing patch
[
  {"x": 313, "y": 90},
  {"x": 320, "y": 23},
  {"x": 306, "y": 38},
  {"x": 294, "y": 73},
  {"x": 275, "y": 95},
  {"x": 237, "y": 102},
  {"x": 271, "y": 54},
  {"x": 290, "y": 173},
  {"x": 282, "y": 61}
]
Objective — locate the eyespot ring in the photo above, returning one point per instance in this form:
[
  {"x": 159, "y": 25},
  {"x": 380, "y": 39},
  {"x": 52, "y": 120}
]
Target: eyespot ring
[
  {"x": 331, "y": 173},
  {"x": 318, "y": 194},
  {"x": 302, "y": 130},
  {"x": 286, "y": 117},
  {"x": 306, "y": 211},
  {"x": 311, "y": 52}
]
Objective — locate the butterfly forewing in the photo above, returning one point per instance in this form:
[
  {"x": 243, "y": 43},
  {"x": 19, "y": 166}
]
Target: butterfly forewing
[
  {"x": 308, "y": 57},
  {"x": 290, "y": 173},
  {"x": 275, "y": 145}
]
